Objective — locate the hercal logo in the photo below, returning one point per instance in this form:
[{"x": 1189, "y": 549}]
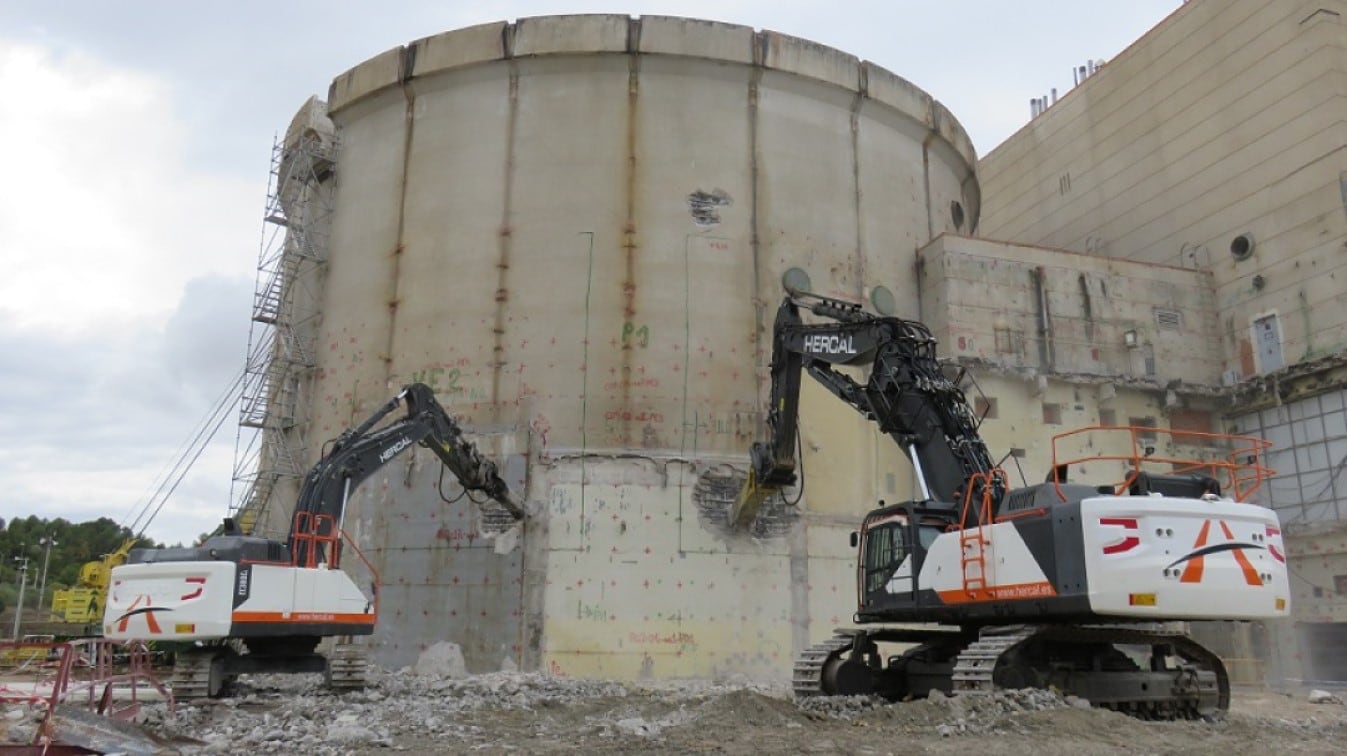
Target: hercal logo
[
  {"x": 823, "y": 343},
  {"x": 388, "y": 453}
]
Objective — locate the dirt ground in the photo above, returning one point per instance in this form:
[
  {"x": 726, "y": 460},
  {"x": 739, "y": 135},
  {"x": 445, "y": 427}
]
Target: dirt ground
[
  {"x": 747, "y": 722},
  {"x": 530, "y": 713}
]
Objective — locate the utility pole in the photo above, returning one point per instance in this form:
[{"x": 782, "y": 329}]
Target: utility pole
[
  {"x": 47, "y": 541},
  {"x": 23, "y": 581}
]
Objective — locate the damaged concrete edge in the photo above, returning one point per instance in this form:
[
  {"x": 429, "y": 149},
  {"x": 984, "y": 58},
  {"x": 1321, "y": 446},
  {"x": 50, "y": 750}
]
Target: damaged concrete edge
[
  {"x": 1300, "y": 381},
  {"x": 590, "y": 34},
  {"x": 1030, "y": 374}
]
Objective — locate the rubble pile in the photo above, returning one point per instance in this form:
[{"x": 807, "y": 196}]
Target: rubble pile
[
  {"x": 274, "y": 713},
  {"x": 270, "y": 714},
  {"x": 967, "y": 713},
  {"x": 437, "y": 707}
]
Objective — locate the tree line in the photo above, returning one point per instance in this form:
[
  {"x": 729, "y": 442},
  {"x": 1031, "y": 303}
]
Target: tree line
[{"x": 73, "y": 544}]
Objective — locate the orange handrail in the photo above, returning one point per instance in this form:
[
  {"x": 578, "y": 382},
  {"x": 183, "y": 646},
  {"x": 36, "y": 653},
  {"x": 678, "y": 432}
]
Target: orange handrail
[{"x": 1241, "y": 466}]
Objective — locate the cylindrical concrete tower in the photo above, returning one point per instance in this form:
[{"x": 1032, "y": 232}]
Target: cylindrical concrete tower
[{"x": 575, "y": 229}]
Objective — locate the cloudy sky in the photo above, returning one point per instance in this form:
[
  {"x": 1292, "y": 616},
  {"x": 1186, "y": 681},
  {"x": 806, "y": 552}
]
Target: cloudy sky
[{"x": 134, "y": 146}]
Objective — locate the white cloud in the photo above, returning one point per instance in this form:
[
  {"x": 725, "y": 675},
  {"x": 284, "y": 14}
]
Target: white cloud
[
  {"x": 124, "y": 308},
  {"x": 100, "y": 222}
]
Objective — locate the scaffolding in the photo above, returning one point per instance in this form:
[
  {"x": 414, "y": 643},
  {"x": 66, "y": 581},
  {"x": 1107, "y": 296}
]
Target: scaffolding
[{"x": 271, "y": 450}]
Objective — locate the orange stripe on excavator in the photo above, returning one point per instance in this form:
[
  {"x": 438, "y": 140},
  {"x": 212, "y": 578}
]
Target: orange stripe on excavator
[
  {"x": 1250, "y": 574},
  {"x": 1193, "y": 572},
  {"x": 1041, "y": 589},
  {"x": 303, "y": 617}
]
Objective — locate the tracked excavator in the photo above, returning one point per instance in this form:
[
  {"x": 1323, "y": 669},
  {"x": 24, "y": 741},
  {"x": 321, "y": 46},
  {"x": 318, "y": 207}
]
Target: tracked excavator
[
  {"x": 249, "y": 604},
  {"x": 976, "y": 586}
]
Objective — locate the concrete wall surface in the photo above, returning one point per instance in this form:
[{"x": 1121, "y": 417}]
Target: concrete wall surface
[
  {"x": 1049, "y": 311},
  {"x": 1214, "y": 142},
  {"x": 575, "y": 229}
]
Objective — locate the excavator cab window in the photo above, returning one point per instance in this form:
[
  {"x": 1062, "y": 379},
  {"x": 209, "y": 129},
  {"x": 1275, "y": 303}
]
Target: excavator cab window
[{"x": 885, "y": 549}]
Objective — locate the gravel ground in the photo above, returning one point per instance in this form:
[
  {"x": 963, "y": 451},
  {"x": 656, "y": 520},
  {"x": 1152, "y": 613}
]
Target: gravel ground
[{"x": 530, "y": 713}]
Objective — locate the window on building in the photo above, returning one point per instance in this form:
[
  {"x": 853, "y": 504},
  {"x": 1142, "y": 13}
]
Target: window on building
[
  {"x": 1340, "y": 585},
  {"x": 1052, "y": 414},
  {"x": 1191, "y": 420},
  {"x": 1108, "y": 417},
  {"x": 985, "y": 407},
  {"x": 1143, "y": 422},
  {"x": 1008, "y": 341}
]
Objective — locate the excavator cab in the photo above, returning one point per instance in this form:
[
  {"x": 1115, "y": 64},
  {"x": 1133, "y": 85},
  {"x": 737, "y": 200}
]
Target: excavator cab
[{"x": 893, "y": 544}]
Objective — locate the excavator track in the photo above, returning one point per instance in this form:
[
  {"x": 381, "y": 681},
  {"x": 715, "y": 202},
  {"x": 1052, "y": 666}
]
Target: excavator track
[
  {"x": 346, "y": 666},
  {"x": 808, "y": 678},
  {"x": 973, "y": 667},
  {"x": 198, "y": 674},
  {"x": 1197, "y": 686},
  {"x": 1146, "y": 671}
]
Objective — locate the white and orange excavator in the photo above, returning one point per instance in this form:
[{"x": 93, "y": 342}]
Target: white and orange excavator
[
  {"x": 247, "y": 604},
  {"x": 1079, "y": 587}
]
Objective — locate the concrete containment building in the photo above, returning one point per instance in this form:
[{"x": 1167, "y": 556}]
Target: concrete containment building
[{"x": 575, "y": 229}]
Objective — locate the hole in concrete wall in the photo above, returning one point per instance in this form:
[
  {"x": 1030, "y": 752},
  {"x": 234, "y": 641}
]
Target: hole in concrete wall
[
  {"x": 985, "y": 407},
  {"x": 1108, "y": 417},
  {"x": 1018, "y": 453},
  {"x": 1241, "y": 246},
  {"x": 715, "y": 493},
  {"x": 1008, "y": 341},
  {"x": 956, "y": 215},
  {"x": 1052, "y": 414},
  {"x": 1191, "y": 420},
  {"x": 1143, "y": 422}
]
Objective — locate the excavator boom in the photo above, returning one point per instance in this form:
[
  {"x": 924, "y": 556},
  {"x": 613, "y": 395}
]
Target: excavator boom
[{"x": 906, "y": 393}]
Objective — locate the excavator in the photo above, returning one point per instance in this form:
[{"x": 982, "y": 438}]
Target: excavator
[
  {"x": 247, "y": 604},
  {"x": 975, "y": 586}
]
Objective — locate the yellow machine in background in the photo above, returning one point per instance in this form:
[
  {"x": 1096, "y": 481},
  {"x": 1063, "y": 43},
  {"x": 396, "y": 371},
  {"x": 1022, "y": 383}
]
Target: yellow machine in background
[{"x": 83, "y": 603}]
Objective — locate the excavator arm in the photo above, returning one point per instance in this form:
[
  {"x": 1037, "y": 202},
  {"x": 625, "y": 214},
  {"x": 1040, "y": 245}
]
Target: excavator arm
[
  {"x": 360, "y": 451},
  {"x": 906, "y": 393}
]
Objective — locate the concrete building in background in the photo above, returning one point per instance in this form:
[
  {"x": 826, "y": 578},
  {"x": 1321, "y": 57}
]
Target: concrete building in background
[
  {"x": 576, "y": 229},
  {"x": 1217, "y": 144}
]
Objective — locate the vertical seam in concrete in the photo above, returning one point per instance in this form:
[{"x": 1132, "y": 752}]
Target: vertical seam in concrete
[
  {"x": 629, "y": 242},
  {"x": 503, "y": 245},
  {"x": 409, "y": 121},
  {"x": 856, "y": 103},
  {"x": 584, "y": 387},
  {"x": 919, "y": 265},
  {"x": 926, "y": 184},
  {"x": 683, "y": 444},
  {"x": 755, "y": 238},
  {"x": 919, "y": 274}
]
